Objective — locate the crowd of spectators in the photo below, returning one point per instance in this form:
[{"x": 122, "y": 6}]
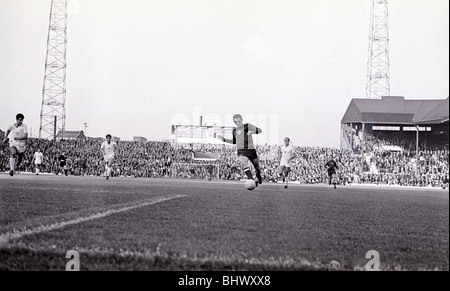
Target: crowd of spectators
[
  {"x": 165, "y": 159},
  {"x": 406, "y": 140}
]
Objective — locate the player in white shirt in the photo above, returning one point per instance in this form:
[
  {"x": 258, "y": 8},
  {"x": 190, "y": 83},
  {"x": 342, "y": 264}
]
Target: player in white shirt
[
  {"x": 108, "y": 149},
  {"x": 18, "y": 133},
  {"x": 287, "y": 154},
  {"x": 38, "y": 158}
]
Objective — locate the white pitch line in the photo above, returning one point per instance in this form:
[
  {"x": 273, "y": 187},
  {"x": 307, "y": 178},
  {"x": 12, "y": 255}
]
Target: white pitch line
[{"x": 9, "y": 236}]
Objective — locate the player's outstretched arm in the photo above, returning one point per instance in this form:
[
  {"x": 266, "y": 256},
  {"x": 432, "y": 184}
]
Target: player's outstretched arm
[
  {"x": 6, "y": 139},
  {"x": 102, "y": 148},
  {"x": 223, "y": 139},
  {"x": 294, "y": 156}
]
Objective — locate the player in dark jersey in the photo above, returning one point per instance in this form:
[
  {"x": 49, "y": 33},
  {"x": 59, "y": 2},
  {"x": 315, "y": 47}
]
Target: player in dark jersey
[
  {"x": 445, "y": 183},
  {"x": 242, "y": 138},
  {"x": 62, "y": 163},
  {"x": 210, "y": 170},
  {"x": 331, "y": 168},
  {"x": 84, "y": 165}
]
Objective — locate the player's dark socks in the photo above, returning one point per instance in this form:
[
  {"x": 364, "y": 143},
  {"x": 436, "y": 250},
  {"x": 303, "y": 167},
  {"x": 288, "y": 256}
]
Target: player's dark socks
[
  {"x": 258, "y": 176},
  {"x": 19, "y": 161},
  {"x": 334, "y": 186},
  {"x": 248, "y": 173},
  {"x": 11, "y": 173}
]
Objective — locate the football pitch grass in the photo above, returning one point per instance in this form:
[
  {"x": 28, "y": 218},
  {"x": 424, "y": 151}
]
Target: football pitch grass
[{"x": 164, "y": 224}]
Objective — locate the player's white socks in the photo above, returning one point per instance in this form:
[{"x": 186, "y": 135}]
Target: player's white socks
[
  {"x": 108, "y": 171},
  {"x": 12, "y": 164}
]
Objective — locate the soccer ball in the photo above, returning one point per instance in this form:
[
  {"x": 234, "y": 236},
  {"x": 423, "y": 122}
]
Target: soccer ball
[{"x": 250, "y": 184}]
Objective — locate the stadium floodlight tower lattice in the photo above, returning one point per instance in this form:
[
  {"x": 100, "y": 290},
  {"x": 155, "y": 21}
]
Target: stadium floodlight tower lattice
[
  {"x": 53, "y": 112},
  {"x": 378, "y": 80}
]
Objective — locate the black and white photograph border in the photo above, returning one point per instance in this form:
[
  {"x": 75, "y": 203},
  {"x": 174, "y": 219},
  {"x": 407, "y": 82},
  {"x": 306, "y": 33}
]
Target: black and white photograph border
[{"x": 254, "y": 136}]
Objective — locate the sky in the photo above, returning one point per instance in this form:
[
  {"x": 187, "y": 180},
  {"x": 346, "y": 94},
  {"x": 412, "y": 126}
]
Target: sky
[{"x": 291, "y": 67}]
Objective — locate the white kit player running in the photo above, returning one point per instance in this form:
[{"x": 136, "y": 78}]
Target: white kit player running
[
  {"x": 38, "y": 158},
  {"x": 287, "y": 154},
  {"x": 18, "y": 133},
  {"x": 108, "y": 148}
]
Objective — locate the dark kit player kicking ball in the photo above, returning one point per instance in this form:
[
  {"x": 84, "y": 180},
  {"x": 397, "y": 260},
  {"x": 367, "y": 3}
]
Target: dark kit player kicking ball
[
  {"x": 331, "y": 168},
  {"x": 242, "y": 138}
]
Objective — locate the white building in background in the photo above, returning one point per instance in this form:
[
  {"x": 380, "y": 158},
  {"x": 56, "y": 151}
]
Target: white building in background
[
  {"x": 200, "y": 134},
  {"x": 70, "y": 135},
  {"x": 139, "y": 139}
]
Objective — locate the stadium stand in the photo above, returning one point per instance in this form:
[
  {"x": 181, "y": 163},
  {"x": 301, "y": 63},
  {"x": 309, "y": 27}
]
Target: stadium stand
[
  {"x": 393, "y": 121},
  {"x": 378, "y": 146},
  {"x": 158, "y": 159}
]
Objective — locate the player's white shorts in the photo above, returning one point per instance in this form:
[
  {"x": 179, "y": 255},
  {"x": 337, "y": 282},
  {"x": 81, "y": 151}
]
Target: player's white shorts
[
  {"x": 20, "y": 147},
  {"x": 108, "y": 158},
  {"x": 37, "y": 163},
  {"x": 285, "y": 164}
]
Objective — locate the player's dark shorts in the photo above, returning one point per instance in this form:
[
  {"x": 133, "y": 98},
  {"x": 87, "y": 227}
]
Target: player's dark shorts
[
  {"x": 62, "y": 164},
  {"x": 331, "y": 173},
  {"x": 250, "y": 154}
]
